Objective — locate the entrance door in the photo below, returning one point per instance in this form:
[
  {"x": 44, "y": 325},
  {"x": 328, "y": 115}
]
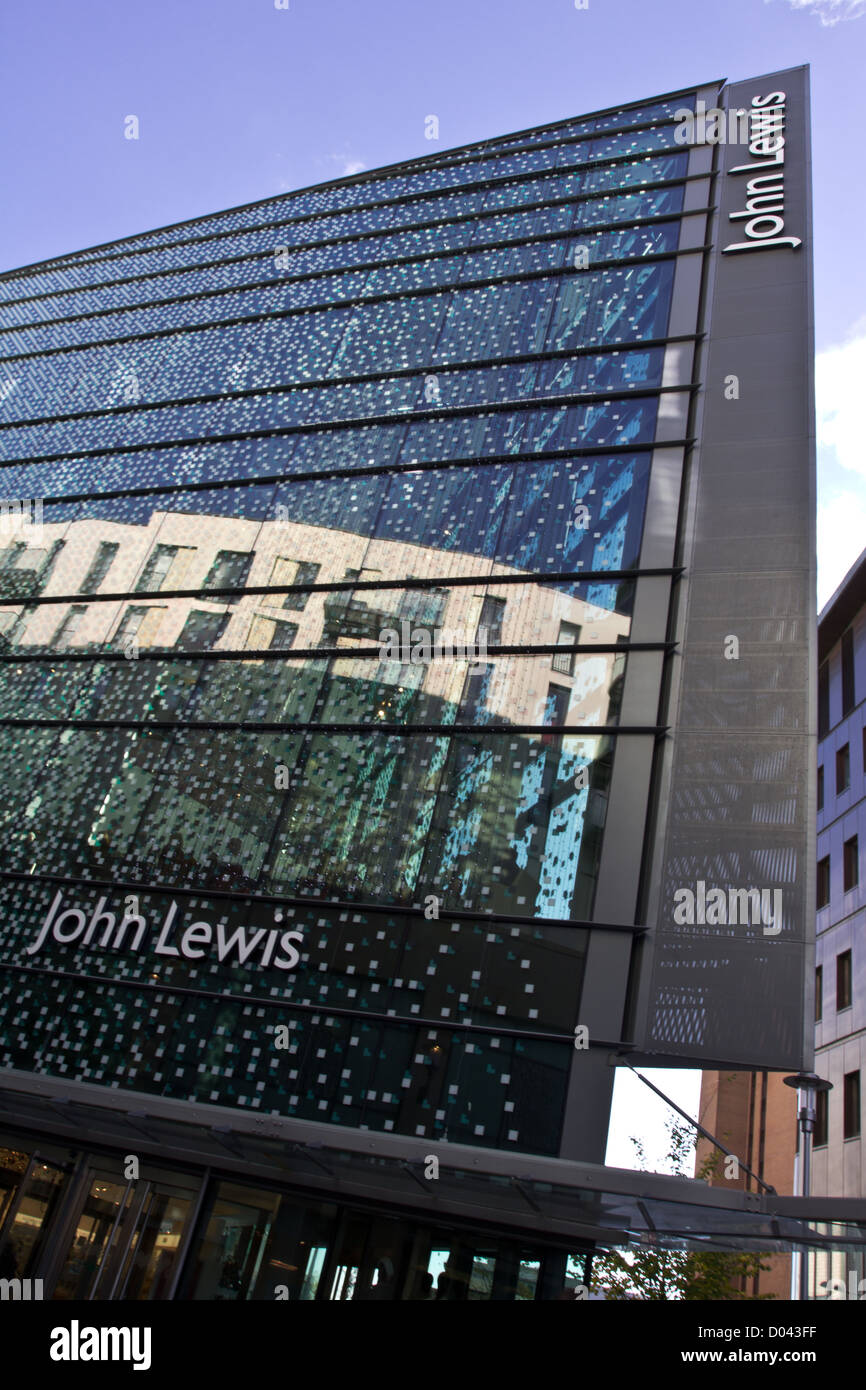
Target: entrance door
[
  {"x": 30, "y": 1191},
  {"x": 126, "y": 1240}
]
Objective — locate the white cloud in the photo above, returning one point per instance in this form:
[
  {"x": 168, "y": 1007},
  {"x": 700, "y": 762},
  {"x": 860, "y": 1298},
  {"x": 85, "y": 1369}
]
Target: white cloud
[
  {"x": 839, "y": 376},
  {"x": 347, "y": 163},
  {"x": 831, "y": 12},
  {"x": 841, "y": 538}
]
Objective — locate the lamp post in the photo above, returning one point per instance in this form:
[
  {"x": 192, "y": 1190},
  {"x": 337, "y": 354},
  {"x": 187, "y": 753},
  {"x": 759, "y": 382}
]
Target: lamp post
[{"x": 808, "y": 1084}]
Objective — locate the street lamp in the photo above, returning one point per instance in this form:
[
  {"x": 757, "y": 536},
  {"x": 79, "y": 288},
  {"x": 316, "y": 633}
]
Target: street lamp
[{"x": 808, "y": 1084}]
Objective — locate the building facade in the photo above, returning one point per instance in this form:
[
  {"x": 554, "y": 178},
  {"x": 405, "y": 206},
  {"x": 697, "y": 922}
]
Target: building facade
[
  {"x": 840, "y": 961},
  {"x": 754, "y": 1114},
  {"x": 757, "y": 1115},
  {"x": 366, "y": 700}
]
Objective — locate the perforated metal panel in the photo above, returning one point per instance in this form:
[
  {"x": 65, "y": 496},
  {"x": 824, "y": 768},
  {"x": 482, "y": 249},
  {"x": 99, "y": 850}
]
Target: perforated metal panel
[{"x": 736, "y": 798}]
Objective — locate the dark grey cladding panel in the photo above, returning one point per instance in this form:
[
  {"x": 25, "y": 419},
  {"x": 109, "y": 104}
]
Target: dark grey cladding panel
[
  {"x": 736, "y": 788},
  {"x": 727, "y": 1002}
]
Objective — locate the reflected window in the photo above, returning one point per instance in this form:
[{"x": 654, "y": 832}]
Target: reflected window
[
  {"x": 69, "y": 626},
  {"x": 491, "y": 620},
  {"x": 271, "y": 634},
  {"x": 102, "y": 563},
  {"x": 229, "y": 571},
  {"x": 305, "y": 573},
  {"x": 9, "y": 554},
  {"x": 140, "y": 622},
  {"x": 569, "y": 636},
  {"x": 165, "y": 568},
  {"x": 556, "y": 705},
  {"x": 202, "y": 630}
]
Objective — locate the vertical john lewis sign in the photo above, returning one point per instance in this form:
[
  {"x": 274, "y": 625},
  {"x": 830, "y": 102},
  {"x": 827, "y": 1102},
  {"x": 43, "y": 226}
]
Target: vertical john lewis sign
[
  {"x": 763, "y": 215},
  {"x": 736, "y": 801}
]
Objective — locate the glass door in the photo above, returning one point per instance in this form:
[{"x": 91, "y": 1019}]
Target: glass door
[
  {"x": 30, "y": 1191},
  {"x": 100, "y": 1218},
  {"x": 126, "y": 1240}
]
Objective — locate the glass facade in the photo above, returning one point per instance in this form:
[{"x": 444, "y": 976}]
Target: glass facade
[
  {"x": 324, "y": 538},
  {"x": 174, "y": 1234}
]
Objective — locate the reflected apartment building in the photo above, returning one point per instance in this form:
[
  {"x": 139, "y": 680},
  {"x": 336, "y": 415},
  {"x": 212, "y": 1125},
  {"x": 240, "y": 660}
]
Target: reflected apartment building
[{"x": 314, "y": 956}]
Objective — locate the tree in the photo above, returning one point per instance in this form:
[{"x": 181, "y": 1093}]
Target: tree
[{"x": 653, "y": 1272}]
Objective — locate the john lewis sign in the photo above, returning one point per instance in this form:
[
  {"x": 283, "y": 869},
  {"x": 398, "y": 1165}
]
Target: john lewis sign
[
  {"x": 765, "y": 190},
  {"x": 258, "y": 947}
]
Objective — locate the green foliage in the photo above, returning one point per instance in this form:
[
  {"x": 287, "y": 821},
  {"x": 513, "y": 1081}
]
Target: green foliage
[{"x": 651, "y": 1272}]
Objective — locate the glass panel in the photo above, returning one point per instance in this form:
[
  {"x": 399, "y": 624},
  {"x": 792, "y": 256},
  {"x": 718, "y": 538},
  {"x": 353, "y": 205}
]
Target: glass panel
[
  {"x": 369, "y": 1261},
  {"x": 100, "y": 1218},
  {"x": 152, "y": 1259},
  {"x": 493, "y": 321},
  {"x": 259, "y": 1245},
  {"x": 527, "y": 1279},
  {"x": 522, "y": 974},
  {"x": 13, "y": 1166},
  {"x": 29, "y": 1228}
]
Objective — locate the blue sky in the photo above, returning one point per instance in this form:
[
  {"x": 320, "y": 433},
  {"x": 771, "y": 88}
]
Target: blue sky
[{"x": 238, "y": 100}]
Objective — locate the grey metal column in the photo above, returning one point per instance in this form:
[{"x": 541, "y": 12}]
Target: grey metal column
[{"x": 808, "y": 1085}]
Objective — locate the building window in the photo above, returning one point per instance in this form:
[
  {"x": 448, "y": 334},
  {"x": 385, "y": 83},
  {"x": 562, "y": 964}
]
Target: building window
[
  {"x": 843, "y": 981},
  {"x": 283, "y": 635},
  {"x": 864, "y": 747},
  {"x": 165, "y": 568},
  {"x": 852, "y": 1105},
  {"x": 820, "y": 788},
  {"x": 843, "y": 769},
  {"x": 202, "y": 630},
  {"x": 851, "y": 864},
  {"x": 490, "y": 623},
  {"x": 823, "y": 700},
  {"x": 819, "y": 993},
  {"x": 269, "y": 634},
  {"x": 305, "y": 573},
  {"x": 823, "y": 882},
  {"x": 229, "y": 571},
  {"x": 821, "y": 1117},
  {"x": 69, "y": 627},
  {"x": 102, "y": 563},
  {"x": 287, "y": 571},
  {"x": 9, "y": 555},
  {"x": 556, "y": 704},
  {"x": 848, "y": 700},
  {"x": 140, "y": 622},
  {"x": 28, "y": 569},
  {"x": 569, "y": 636}
]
